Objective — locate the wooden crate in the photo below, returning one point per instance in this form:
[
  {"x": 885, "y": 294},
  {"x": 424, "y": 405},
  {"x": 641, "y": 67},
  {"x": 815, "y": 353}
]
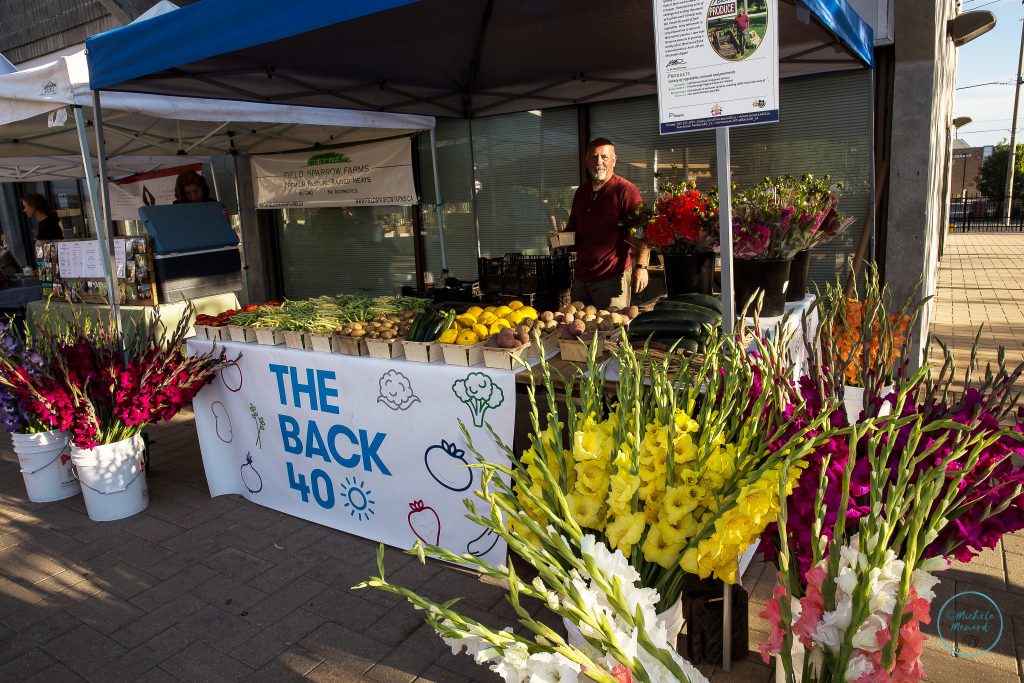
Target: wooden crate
[
  {"x": 504, "y": 359},
  {"x": 466, "y": 355},
  {"x": 242, "y": 335},
  {"x": 423, "y": 352},
  {"x": 385, "y": 348}
]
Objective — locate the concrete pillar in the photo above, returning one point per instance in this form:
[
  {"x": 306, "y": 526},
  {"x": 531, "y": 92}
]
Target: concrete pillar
[
  {"x": 922, "y": 112},
  {"x": 256, "y": 256}
]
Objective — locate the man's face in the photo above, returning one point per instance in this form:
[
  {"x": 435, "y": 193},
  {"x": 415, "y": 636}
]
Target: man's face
[
  {"x": 601, "y": 162},
  {"x": 193, "y": 193}
]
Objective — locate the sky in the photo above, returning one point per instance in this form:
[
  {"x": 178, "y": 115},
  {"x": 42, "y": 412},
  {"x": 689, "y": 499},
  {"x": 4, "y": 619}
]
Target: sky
[{"x": 992, "y": 57}]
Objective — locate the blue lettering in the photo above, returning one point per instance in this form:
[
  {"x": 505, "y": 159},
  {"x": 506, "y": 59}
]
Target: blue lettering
[
  {"x": 280, "y": 371},
  {"x": 332, "y": 437},
  {"x": 370, "y": 452},
  {"x": 309, "y": 388},
  {"x": 325, "y": 393},
  {"x": 290, "y": 434},
  {"x": 315, "y": 443}
]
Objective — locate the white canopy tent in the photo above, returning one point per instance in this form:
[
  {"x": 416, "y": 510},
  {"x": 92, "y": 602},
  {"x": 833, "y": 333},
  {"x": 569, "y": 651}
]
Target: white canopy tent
[{"x": 144, "y": 132}]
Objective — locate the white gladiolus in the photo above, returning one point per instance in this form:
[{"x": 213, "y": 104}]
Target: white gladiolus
[
  {"x": 924, "y": 583},
  {"x": 552, "y": 667},
  {"x": 857, "y": 667}
]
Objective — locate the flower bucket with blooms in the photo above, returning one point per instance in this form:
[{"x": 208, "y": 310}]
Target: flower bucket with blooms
[
  {"x": 681, "y": 473},
  {"x": 858, "y": 607},
  {"x": 16, "y": 415},
  {"x": 809, "y": 215},
  {"x": 683, "y": 220},
  {"x": 104, "y": 387}
]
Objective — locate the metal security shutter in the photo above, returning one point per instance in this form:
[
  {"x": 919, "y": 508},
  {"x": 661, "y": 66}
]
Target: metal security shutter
[
  {"x": 456, "y": 180},
  {"x": 520, "y": 159},
  {"x": 824, "y": 128},
  {"x": 359, "y": 250}
]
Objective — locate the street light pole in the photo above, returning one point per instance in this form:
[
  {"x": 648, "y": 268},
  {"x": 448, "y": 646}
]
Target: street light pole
[{"x": 1012, "y": 160}]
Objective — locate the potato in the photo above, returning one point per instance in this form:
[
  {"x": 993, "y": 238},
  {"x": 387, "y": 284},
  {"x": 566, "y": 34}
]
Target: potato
[
  {"x": 606, "y": 325},
  {"x": 592, "y": 325},
  {"x": 616, "y": 319},
  {"x": 593, "y": 316},
  {"x": 507, "y": 338},
  {"x": 603, "y": 313},
  {"x": 559, "y": 316},
  {"x": 579, "y": 305},
  {"x": 632, "y": 312},
  {"x": 388, "y": 334},
  {"x": 362, "y": 333},
  {"x": 613, "y": 309},
  {"x": 523, "y": 337},
  {"x": 578, "y": 326},
  {"x": 525, "y": 329},
  {"x": 590, "y": 310},
  {"x": 548, "y": 315},
  {"x": 568, "y": 308}
]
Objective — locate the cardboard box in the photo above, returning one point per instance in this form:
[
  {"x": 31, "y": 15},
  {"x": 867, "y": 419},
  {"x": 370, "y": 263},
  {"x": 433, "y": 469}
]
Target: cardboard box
[
  {"x": 579, "y": 351},
  {"x": 352, "y": 346},
  {"x": 505, "y": 359},
  {"x": 385, "y": 348},
  {"x": 294, "y": 340},
  {"x": 466, "y": 355},
  {"x": 324, "y": 343},
  {"x": 242, "y": 335},
  {"x": 217, "y": 333},
  {"x": 269, "y": 336},
  {"x": 562, "y": 239},
  {"x": 423, "y": 352}
]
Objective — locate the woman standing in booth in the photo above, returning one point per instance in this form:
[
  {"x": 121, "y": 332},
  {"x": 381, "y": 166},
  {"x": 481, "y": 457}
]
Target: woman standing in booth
[{"x": 38, "y": 208}]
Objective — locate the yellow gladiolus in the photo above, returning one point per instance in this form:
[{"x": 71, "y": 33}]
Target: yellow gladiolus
[
  {"x": 660, "y": 550},
  {"x": 625, "y": 531},
  {"x": 586, "y": 511}
]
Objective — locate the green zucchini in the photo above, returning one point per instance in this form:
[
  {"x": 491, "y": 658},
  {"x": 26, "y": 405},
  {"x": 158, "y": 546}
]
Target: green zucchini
[
  {"x": 690, "y": 329},
  {"x": 705, "y": 300},
  {"x": 699, "y": 315},
  {"x": 686, "y": 309}
]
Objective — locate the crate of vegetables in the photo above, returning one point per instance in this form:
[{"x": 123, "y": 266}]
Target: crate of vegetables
[
  {"x": 269, "y": 336},
  {"x": 351, "y": 346},
  {"x": 294, "y": 339},
  {"x": 385, "y": 348},
  {"x": 243, "y": 335},
  {"x": 465, "y": 354},
  {"x": 324, "y": 343},
  {"x": 580, "y": 325},
  {"x": 504, "y": 350},
  {"x": 421, "y": 343}
]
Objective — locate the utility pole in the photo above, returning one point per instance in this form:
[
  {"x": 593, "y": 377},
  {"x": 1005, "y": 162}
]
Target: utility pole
[{"x": 1012, "y": 160}]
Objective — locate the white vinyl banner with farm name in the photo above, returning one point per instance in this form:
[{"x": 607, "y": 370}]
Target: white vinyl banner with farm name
[
  {"x": 374, "y": 174},
  {"x": 368, "y": 446},
  {"x": 718, "y": 63}
]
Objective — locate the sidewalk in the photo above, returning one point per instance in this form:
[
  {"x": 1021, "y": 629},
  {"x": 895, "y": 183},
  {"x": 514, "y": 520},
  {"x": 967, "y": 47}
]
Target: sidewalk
[{"x": 202, "y": 589}]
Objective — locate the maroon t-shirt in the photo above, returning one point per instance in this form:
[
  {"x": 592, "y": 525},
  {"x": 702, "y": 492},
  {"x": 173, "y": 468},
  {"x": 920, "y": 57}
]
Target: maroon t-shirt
[{"x": 602, "y": 245}]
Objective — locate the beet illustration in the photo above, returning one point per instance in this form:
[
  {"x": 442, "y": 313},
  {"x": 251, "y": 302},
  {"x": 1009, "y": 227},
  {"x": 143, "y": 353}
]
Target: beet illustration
[{"x": 425, "y": 523}]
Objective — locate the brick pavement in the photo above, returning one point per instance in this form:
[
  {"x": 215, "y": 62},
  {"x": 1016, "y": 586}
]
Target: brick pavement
[{"x": 202, "y": 589}]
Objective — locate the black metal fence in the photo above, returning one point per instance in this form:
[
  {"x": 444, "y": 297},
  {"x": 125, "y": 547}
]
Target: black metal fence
[{"x": 977, "y": 213}]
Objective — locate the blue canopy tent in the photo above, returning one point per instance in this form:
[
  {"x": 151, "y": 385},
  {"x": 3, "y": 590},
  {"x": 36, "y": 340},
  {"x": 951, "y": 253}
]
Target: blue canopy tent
[{"x": 454, "y": 58}]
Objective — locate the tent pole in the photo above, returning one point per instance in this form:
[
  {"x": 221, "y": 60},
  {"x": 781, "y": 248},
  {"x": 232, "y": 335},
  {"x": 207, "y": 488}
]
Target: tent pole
[
  {"x": 90, "y": 179},
  {"x": 213, "y": 179},
  {"x": 725, "y": 229},
  {"x": 437, "y": 205},
  {"x": 105, "y": 231}
]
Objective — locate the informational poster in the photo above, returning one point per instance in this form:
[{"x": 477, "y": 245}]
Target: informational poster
[
  {"x": 82, "y": 259},
  {"x": 374, "y": 174},
  {"x": 73, "y": 270},
  {"x": 718, "y": 63},
  {"x": 368, "y": 446},
  {"x": 144, "y": 189}
]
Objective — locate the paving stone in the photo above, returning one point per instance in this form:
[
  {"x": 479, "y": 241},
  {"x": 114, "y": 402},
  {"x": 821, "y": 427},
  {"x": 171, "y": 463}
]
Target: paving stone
[
  {"x": 230, "y": 594},
  {"x": 83, "y": 649},
  {"x": 200, "y": 541},
  {"x": 438, "y": 674},
  {"x": 25, "y": 666},
  {"x": 344, "y": 648},
  {"x": 345, "y": 607},
  {"x": 156, "y": 675},
  {"x": 411, "y": 657},
  {"x": 28, "y": 568},
  {"x": 152, "y": 529},
  {"x": 218, "y": 628},
  {"x": 399, "y": 623},
  {"x": 37, "y": 634},
  {"x": 150, "y": 557},
  {"x": 254, "y": 516},
  {"x": 237, "y": 563},
  {"x": 158, "y": 621},
  {"x": 284, "y": 633},
  {"x": 124, "y": 580},
  {"x": 146, "y": 656},
  {"x": 200, "y": 662},
  {"x": 301, "y": 592},
  {"x": 171, "y": 588},
  {"x": 58, "y": 673},
  {"x": 105, "y": 612},
  {"x": 15, "y": 596},
  {"x": 292, "y": 566}
]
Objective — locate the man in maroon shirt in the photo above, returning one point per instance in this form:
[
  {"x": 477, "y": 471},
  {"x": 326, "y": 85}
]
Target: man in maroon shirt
[
  {"x": 604, "y": 269},
  {"x": 742, "y": 24}
]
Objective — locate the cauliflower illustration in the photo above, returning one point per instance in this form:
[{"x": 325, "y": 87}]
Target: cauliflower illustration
[
  {"x": 396, "y": 391},
  {"x": 478, "y": 391}
]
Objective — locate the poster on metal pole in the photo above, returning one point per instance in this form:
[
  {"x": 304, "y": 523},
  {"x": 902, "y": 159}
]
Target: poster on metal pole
[{"x": 718, "y": 63}]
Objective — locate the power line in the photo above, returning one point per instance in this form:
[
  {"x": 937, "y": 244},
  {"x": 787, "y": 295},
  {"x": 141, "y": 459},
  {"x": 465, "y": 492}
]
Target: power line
[{"x": 980, "y": 85}]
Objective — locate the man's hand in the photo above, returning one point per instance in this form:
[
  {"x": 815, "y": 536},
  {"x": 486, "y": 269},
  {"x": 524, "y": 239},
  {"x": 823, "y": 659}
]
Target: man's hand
[{"x": 640, "y": 279}]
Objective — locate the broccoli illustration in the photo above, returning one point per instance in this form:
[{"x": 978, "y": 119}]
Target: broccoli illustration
[
  {"x": 396, "y": 391},
  {"x": 478, "y": 391}
]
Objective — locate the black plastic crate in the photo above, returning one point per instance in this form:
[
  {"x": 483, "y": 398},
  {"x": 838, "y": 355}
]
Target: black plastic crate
[
  {"x": 545, "y": 273},
  {"x": 492, "y": 274}
]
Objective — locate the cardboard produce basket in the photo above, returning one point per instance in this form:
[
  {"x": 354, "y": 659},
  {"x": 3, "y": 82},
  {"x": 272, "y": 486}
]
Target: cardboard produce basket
[
  {"x": 385, "y": 348},
  {"x": 324, "y": 343},
  {"x": 200, "y": 331},
  {"x": 505, "y": 359},
  {"x": 352, "y": 346},
  {"x": 423, "y": 352},
  {"x": 466, "y": 355},
  {"x": 242, "y": 335},
  {"x": 548, "y": 341},
  {"x": 295, "y": 340},
  {"x": 269, "y": 336},
  {"x": 579, "y": 351}
]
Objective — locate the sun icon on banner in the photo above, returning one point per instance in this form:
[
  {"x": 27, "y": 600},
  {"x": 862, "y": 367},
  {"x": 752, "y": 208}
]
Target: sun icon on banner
[{"x": 357, "y": 498}]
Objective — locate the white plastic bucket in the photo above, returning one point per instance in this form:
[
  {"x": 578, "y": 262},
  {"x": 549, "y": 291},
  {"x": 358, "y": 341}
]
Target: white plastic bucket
[
  {"x": 853, "y": 401},
  {"x": 113, "y": 479},
  {"x": 45, "y": 466},
  {"x": 672, "y": 619}
]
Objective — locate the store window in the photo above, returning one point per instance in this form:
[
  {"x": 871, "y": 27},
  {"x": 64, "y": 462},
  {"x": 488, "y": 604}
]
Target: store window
[
  {"x": 359, "y": 250},
  {"x": 455, "y": 176}
]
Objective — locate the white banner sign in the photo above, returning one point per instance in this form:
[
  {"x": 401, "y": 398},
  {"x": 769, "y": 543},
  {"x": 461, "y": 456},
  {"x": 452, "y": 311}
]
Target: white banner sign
[
  {"x": 375, "y": 174},
  {"x": 368, "y": 446},
  {"x": 718, "y": 63},
  {"x": 144, "y": 189}
]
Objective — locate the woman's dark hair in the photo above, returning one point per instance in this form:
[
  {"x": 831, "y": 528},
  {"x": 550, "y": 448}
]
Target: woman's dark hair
[
  {"x": 39, "y": 203},
  {"x": 186, "y": 178}
]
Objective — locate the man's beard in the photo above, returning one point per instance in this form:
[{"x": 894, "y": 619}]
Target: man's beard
[{"x": 600, "y": 175}]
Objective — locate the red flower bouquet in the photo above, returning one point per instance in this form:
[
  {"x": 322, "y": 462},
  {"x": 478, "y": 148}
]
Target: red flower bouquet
[
  {"x": 103, "y": 387},
  {"x": 684, "y": 220}
]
